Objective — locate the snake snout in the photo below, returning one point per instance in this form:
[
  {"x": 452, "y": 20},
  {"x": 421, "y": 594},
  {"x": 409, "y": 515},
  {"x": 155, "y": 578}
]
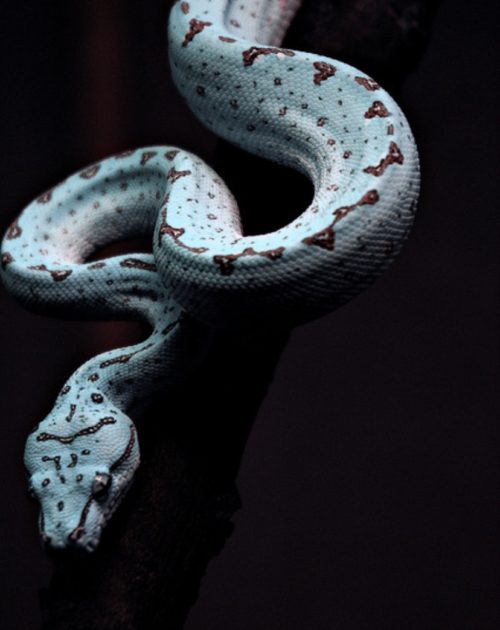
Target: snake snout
[
  {"x": 71, "y": 537},
  {"x": 57, "y": 551}
]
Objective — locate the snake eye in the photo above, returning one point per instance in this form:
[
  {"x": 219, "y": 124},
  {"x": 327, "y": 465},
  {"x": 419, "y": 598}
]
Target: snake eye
[{"x": 100, "y": 486}]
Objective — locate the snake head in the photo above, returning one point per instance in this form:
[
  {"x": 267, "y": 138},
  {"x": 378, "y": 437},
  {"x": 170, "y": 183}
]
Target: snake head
[{"x": 79, "y": 478}]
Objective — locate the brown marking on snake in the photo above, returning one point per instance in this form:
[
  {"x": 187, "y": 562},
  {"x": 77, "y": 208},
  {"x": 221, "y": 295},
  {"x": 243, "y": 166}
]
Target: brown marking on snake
[
  {"x": 14, "y": 231},
  {"x": 135, "y": 263},
  {"x": 322, "y": 121},
  {"x": 347, "y": 155},
  {"x": 56, "y": 460},
  {"x": 393, "y": 157},
  {"x": 126, "y": 453},
  {"x": 65, "y": 390},
  {"x": 250, "y": 55},
  {"x": 6, "y": 259},
  {"x": 174, "y": 175},
  {"x": 226, "y": 262},
  {"x": 283, "y": 111},
  {"x": 176, "y": 234},
  {"x": 57, "y": 275},
  {"x": 370, "y": 198},
  {"x": 97, "y": 265},
  {"x": 171, "y": 154},
  {"x": 72, "y": 409},
  {"x": 146, "y": 156},
  {"x": 123, "y": 358},
  {"x": 90, "y": 172},
  {"x": 74, "y": 460},
  {"x": 68, "y": 439},
  {"x": 185, "y": 7},
  {"x": 324, "y": 71},
  {"x": 94, "y": 377},
  {"x": 79, "y": 529},
  {"x": 124, "y": 154},
  {"x": 390, "y": 130},
  {"x": 227, "y": 40},
  {"x": 377, "y": 109},
  {"x": 45, "y": 197},
  {"x": 200, "y": 90},
  {"x": 368, "y": 84},
  {"x": 97, "y": 398},
  {"x": 45, "y": 483},
  {"x": 326, "y": 238},
  {"x": 195, "y": 27}
]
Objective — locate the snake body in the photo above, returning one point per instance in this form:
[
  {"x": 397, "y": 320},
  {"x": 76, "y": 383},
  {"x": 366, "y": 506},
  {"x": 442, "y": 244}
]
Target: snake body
[{"x": 317, "y": 115}]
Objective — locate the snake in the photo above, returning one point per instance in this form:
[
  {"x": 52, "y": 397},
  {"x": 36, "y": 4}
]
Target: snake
[{"x": 319, "y": 116}]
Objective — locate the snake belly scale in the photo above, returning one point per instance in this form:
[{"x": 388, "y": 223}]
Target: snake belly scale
[{"x": 317, "y": 115}]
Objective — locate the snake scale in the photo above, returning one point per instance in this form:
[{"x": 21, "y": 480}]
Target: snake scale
[{"x": 317, "y": 115}]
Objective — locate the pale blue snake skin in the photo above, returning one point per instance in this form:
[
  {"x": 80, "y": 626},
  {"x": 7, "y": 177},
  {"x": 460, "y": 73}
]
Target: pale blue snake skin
[{"x": 317, "y": 115}]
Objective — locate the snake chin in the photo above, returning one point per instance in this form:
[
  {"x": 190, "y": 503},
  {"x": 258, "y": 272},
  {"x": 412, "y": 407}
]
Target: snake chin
[{"x": 74, "y": 519}]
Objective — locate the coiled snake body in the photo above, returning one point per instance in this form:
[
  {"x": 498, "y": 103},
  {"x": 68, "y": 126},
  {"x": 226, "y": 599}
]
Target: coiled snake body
[{"x": 317, "y": 115}]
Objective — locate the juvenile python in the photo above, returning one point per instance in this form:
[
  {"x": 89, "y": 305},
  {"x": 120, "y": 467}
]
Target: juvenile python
[{"x": 317, "y": 115}]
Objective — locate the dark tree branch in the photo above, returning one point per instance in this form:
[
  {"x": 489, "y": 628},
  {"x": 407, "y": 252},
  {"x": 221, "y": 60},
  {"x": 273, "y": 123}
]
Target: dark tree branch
[{"x": 384, "y": 38}]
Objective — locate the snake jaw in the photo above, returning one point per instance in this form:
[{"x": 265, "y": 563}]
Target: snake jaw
[
  {"x": 80, "y": 482},
  {"x": 77, "y": 520}
]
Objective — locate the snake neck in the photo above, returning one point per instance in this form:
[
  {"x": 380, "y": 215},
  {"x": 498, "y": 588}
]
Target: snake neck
[{"x": 125, "y": 378}]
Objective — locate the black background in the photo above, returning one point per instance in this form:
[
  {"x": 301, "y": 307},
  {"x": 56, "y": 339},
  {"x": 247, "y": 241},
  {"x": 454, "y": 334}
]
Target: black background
[{"x": 369, "y": 483}]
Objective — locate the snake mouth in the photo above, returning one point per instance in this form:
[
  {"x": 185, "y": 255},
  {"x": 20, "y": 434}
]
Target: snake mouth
[
  {"x": 85, "y": 537},
  {"x": 75, "y": 550}
]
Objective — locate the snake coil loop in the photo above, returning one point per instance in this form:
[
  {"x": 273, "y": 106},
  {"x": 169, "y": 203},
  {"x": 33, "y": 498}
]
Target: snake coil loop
[{"x": 317, "y": 115}]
